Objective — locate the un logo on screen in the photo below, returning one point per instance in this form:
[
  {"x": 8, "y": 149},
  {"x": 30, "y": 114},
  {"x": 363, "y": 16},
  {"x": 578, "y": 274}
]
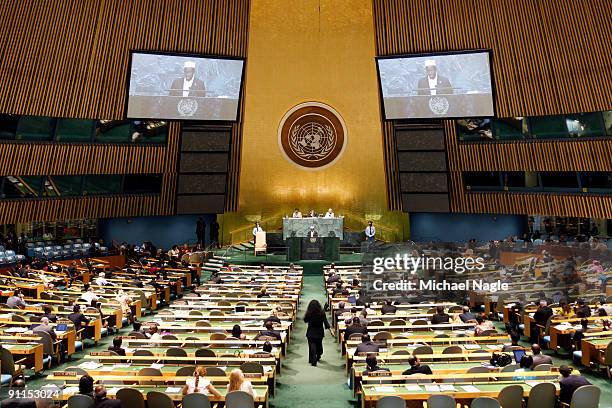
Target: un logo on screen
[
  {"x": 187, "y": 107},
  {"x": 438, "y": 105},
  {"x": 312, "y": 135}
]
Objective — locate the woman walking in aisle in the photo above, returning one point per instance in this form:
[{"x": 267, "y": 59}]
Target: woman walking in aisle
[{"x": 317, "y": 323}]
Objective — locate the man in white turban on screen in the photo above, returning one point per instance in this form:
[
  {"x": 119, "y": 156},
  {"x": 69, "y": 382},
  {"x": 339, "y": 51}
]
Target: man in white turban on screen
[
  {"x": 188, "y": 84},
  {"x": 432, "y": 83}
]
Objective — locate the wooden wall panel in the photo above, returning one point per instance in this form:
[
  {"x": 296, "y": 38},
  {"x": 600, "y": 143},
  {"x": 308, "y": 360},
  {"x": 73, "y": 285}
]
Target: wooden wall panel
[
  {"x": 392, "y": 174},
  {"x": 571, "y": 155},
  {"x": 548, "y": 58},
  {"x": 69, "y": 58}
]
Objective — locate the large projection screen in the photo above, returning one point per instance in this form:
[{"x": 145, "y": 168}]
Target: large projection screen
[
  {"x": 437, "y": 86},
  {"x": 184, "y": 87}
]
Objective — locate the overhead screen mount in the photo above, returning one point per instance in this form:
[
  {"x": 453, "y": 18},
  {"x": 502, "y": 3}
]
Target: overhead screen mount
[
  {"x": 184, "y": 86},
  {"x": 437, "y": 86}
]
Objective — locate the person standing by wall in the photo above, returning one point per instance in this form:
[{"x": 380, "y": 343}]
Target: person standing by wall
[{"x": 200, "y": 230}]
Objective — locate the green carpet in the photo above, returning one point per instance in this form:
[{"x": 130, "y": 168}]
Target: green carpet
[{"x": 300, "y": 384}]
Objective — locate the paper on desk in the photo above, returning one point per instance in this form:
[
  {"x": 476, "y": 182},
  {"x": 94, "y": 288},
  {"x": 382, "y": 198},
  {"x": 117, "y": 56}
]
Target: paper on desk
[
  {"x": 413, "y": 387},
  {"x": 532, "y": 383},
  {"x": 469, "y": 388},
  {"x": 90, "y": 365},
  {"x": 447, "y": 387},
  {"x": 157, "y": 365},
  {"x": 492, "y": 346},
  {"x": 563, "y": 326},
  {"x": 122, "y": 365},
  {"x": 267, "y": 368},
  {"x": 384, "y": 389},
  {"x": 471, "y": 346},
  {"x": 173, "y": 390},
  {"x": 432, "y": 387},
  {"x": 113, "y": 391},
  {"x": 71, "y": 390},
  {"x": 8, "y": 346}
]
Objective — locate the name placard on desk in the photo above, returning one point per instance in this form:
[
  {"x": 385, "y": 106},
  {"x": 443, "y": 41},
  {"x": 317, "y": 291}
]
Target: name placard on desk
[
  {"x": 379, "y": 374},
  {"x": 65, "y": 374},
  {"x": 100, "y": 353},
  {"x": 252, "y": 375}
]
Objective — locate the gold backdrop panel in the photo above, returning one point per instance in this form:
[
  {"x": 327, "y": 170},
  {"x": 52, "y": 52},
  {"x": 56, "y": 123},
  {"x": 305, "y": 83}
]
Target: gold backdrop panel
[{"x": 310, "y": 51}]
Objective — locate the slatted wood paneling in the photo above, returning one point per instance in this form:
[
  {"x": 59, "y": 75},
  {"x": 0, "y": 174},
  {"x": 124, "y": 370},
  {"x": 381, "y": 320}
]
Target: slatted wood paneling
[
  {"x": 69, "y": 58},
  {"x": 392, "y": 174},
  {"x": 548, "y": 58}
]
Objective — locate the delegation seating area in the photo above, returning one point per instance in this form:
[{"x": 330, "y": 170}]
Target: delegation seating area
[
  {"x": 460, "y": 357},
  {"x": 195, "y": 326}
]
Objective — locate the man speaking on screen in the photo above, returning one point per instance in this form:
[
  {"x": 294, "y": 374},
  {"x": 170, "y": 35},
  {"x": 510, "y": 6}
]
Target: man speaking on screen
[
  {"x": 433, "y": 84},
  {"x": 188, "y": 85}
]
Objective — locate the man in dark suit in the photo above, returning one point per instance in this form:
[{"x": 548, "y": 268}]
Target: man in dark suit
[
  {"x": 269, "y": 332},
  {"x": 540, "y": 317},
  {"x": 440, "y": 317},
  {"x": 416, "y": 367},
  {"x": 367, "y": 345},
  {"x": 466, "y": 315},
  {"x": 116, "y": 347},
  {"x": 355, "y": 327},
  {"x": 78, "y": 318},
  {"x": 569, "y": 383},
  {"x": 433, "y": 84},
  {"x": 188, "y": 85},
  {"x": 102, "y": 401},
  {"x": 388, "y": 308},
  {"x": 372, "y": 365}
]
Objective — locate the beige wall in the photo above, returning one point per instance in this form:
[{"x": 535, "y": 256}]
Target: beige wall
[{"x": 311, "y": 50}]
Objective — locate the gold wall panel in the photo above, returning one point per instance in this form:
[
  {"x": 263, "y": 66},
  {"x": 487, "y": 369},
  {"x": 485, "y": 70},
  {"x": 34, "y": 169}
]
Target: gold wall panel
[{"x": 320, "y": 51}]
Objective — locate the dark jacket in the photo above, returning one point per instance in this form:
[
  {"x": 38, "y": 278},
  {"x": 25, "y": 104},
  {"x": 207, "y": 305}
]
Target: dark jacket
[
  {"x": 119, "y": 350},
  {"x": 108, "y": 403},
  {"x": 443, "y": 86},
  {"x": 421, "y": 369},
  {"x": 352, "y": 329},
  {"x": 367, "y": 347},
  {"x": 18, "y": 403},
  {"x": 333, "y": 278},
  {"x": 440, "y": 318},
  {"x": 467, "y": 316},
  {"x": 269, "y": 333},
  {"x": 542, "y": 314},
  {"x": 569, "y": 385},
  {"x": 388, "y": 309},
  {"x": 316, "y": 326},
  {"x": 78, "y": 319},
  {"x": 197, "y": 89}
]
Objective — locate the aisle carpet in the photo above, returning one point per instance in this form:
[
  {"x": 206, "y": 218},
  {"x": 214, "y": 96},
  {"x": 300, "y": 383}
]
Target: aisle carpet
[{"x": 300, "y": 384}]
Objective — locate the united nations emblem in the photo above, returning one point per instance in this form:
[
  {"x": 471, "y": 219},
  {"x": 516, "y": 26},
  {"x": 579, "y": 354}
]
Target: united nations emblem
[
  {"x": 438, "y": 105},
  {"x": 187, "y": 107},
  {"x": 312, "y": 135}
]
